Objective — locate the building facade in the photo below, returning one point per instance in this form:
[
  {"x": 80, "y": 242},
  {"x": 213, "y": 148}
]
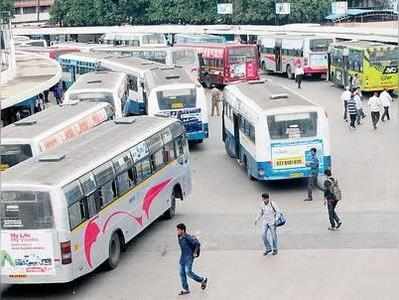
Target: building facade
[{"x": 32, "y": 11}]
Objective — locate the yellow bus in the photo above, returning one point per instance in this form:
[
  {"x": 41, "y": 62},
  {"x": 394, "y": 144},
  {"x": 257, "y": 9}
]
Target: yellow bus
[{"x": 375, "y": 64}]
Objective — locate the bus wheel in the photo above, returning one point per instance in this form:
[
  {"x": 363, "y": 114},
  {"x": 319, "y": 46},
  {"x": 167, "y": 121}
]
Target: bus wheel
[
  {"x": 114, "y": 251},
  {"x": 170, "y": 213},
  {"x": 290, "y": 75}
]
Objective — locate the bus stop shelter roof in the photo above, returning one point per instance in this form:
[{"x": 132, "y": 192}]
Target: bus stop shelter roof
[{"x": 356, "y": 13}]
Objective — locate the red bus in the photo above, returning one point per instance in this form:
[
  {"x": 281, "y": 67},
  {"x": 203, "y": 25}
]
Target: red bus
[{"x": 221, "y": 64}]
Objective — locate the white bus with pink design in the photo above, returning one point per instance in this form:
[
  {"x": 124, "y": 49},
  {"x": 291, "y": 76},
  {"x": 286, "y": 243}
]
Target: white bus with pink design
[
  {"x": 281, "y": 53},
  {"x": 76, "y": 207}
]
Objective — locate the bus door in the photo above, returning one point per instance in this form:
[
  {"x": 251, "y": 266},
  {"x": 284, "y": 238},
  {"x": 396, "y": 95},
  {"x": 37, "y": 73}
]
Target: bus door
[
  {"x": 277, "y": 54},
  {"x": 236, "y": 120}
]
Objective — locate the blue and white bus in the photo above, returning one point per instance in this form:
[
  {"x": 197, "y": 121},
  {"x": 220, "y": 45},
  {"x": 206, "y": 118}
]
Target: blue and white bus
[
  {"x": 171, "y": 91},
  {"x": 270, "y": 130},
  {"x": 135, "y": 69}
]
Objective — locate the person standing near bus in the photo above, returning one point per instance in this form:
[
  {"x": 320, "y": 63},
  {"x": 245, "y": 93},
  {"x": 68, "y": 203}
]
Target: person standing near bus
[
  {"x": 352, "y": 111},
  {"x": 189, "y": 246},
  {"x": 345, "y": 97},
  {"x": 375, "y": 108},
  {"x": 359, "y": 106},
  {"x": 299, "y": 73},
  {"x": 215, "y": 99},
  {"x": 355, "y": 82},
  {"x": 313, "y": 164},
  {"x": 331, "y": 200},
  {"x": 58, "y": 92},
  {"x": 268, "y": 212},
  {"x": 386, "y": 100}
]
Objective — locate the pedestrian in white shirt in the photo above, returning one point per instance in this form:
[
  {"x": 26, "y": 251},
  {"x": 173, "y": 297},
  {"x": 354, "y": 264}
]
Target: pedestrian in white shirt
[
  {"x": 299, "y": 73},
  {"x": 386, "y": 100},
  {"x": 268, "y": 213},
  {"x": 375, "y": 108},
  {"x": 359, "y": 106},
  {"x": 345, "y": 97}
]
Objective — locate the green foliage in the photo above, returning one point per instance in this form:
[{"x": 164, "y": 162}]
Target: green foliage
[
  {"x": 116, "y": 12},
  {"x": 6, "y": 7}
]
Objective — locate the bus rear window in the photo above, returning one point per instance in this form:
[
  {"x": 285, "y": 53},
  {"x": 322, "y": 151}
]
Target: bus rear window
[
  {"x": 319, "y": 45},
  {"x": 10, "y": 155},
  {"x": 292, "y": 126},
  {"x": 177, "y": 99},
  {"x": 25, "y": 210},
  {"x": 241, "y": 54}
]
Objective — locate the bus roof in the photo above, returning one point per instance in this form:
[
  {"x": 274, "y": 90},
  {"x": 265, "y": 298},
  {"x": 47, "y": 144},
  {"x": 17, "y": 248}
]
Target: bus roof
[
  {"x": 167, "y": 75},
  {"x": 267, "y": 95},
  {"x": 48, "y": 121},
  {"x": 103, "y": 80},
  {"x": 131, "y": 62},
  {"x": 362, "y": 45},
  {"x": 84, "y": 56},
  {"x": 80, "y": 156},
  {"x": 216, "y": 45}
]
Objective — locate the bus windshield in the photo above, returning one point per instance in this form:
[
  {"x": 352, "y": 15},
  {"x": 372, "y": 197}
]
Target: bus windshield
[
  {"x": 25, "y": 210},
  {"x": 319, "y": 45},
  {"x": 184, "y": 57},
  {"x": 384, "y": 55},
  {"x": 93, "y": 97},
  {"x": 292, "y": 126},
  {"x": 10, "y": 155},
  {"x": 153, "y": 38},
  {"x": 241, "y": 54},
  {"x": 177, "y": 99}
]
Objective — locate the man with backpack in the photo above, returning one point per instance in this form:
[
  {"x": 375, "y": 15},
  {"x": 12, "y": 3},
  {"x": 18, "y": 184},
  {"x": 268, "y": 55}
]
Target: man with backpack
[
  {"x": 190, "y": 249},
  {"x": 332, "y": 194}
]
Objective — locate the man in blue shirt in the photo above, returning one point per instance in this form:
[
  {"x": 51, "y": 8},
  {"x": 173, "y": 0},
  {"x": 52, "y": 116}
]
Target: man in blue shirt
[
  {"x": 313, "y": 164},
  {"x": 189, "y": 246}
]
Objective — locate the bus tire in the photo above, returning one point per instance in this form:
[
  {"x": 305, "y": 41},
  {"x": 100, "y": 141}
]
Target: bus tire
[
  {"x": 115, "y": 249},
  {"x": 171, "y": 212},
  {"x": 290, "y": 75}
]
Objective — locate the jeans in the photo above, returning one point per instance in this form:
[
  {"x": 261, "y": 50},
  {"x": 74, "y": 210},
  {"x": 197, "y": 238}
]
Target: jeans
[
  {"x": 312, "y": 181},
  {"x": 345, "y": 110},
  {"x": 353, "y": 120},
  {"x": 385, "y": 114},
  {"x": 273, "y": 234},
  {"x": 332, "y": 215},
  {"x": 375, "y": 117},
  {"x": 360, "y": 115},
  {"x": 186, "y": 269}
]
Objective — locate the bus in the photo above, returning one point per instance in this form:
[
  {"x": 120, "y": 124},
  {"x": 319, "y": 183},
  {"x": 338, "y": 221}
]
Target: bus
[
  {"x": 221, "y": 64},
  {"x": 135, "y": 68},
  {"x": 100, "y": 86},
  {"x": 75, "y": 208},
  {"x": 135, "y": 39},
  {"x": 281, "y": 54},
  {"x": 181, "y": 56},
  {"x": 375, "y": 64},
  {"x": 170, "y": 91},
  {"x": 52, "y": 53},
  {"x": 182, "y": 39},
  {"x": 270, "y": 130},
  {"x": 75, "y": 64},
  {"x": 49, "y": 129}
]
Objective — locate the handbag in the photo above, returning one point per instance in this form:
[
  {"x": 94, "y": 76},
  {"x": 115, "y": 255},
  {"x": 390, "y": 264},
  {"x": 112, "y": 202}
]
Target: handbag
[{"x": 280, "y": 220}]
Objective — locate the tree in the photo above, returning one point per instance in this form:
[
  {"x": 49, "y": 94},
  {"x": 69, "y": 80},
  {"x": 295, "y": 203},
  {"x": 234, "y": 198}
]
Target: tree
[{"x": 6, "y": 7}]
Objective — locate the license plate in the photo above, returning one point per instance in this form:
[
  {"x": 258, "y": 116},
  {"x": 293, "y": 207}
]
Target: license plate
[{"x": 289, "y": 162}]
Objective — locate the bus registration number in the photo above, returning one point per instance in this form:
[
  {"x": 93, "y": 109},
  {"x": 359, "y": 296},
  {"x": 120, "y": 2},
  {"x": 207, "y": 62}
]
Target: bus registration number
[{"x": 289, "y": 162}]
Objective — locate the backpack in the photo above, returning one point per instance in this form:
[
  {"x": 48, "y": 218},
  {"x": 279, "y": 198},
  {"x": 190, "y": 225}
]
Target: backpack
[
  {"x": 196, "y": 246},
  {"x": 335, "y": 189}
]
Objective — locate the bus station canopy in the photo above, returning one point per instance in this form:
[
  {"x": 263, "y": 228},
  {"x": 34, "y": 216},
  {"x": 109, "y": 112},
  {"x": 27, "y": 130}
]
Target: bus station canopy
[{"x": 356, "y": 15}]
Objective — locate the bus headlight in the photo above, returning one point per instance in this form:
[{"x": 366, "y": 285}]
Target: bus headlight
[{"x": 261, "y": 172}]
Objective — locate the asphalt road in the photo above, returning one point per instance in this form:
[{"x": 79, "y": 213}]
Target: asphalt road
[{"x": 360, "y": 261}]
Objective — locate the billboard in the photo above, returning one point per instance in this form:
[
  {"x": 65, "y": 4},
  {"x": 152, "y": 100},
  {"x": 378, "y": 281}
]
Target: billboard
[
  {"x": 225, "y": 8},
  {"x": 283, "y": 8},
  {"x": 339, "y": 8}
]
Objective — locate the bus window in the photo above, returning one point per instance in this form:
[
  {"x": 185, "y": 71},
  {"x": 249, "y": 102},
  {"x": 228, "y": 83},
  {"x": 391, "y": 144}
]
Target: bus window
[
  {"x": 319, "y": 45},
  {"x": 169, "y": 152},
  {"x": 10, "y": 155},
  {"x": 108, "y": 192},
  {"x": 77, "y": 213},
  {"x": 241, "y": 55},
  {"x": 355, "y": 60},
  {"x": 143, "y": 170},
  {"x": 25, "y": 210},
  {"x": 177, "y": 99},
  {"x": 132, "y": 83},
  {"x": 157, "y": 160},
  {"x": 287, "y": 126},
  {"x": 94, "y": 203}
]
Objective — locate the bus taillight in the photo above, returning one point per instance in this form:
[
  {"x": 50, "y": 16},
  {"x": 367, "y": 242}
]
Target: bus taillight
[{"x": 66, "y": 253}]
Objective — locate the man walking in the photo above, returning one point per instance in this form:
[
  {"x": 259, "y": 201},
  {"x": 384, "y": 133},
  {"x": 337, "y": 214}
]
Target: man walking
[
  {"x": 299, "y": 73},
  {"x": 359, "y": 106},
  {"x": 313, "y": 164},
  {"x": 375, "y": 107},
  {"x": 331, "y": 201},
  {"x": 345, "y": 97},
  {"x": 215, "y": 99},
  {"x": 268, "y": 213},
  {"x": 352, "y": 110},
  {"x": 189, "y": 246},
  {"x": 355, "y": 82},
  {"x": 386, "y": 100}
]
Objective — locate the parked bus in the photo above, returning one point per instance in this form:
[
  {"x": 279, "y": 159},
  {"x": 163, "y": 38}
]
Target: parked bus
[
  {"x": 135, "y": 39},
  {"x": 181, "y": 39},
  {"x": 221, "y": 64},
  {"x": 76, "y": 207},
  {"x": 135, "y": 68},
  {"x": 101, "y": 86},
  {"x": 75, "y": 64},
  {"x": 271, "y": 129},
  {"x": 170, "y": 91},
  {"x": 181, "y": 56},
  {"x": 375, "y": 64},
  {"x": 281, "y": 54},
  {"x": 49, "y": 129}
]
